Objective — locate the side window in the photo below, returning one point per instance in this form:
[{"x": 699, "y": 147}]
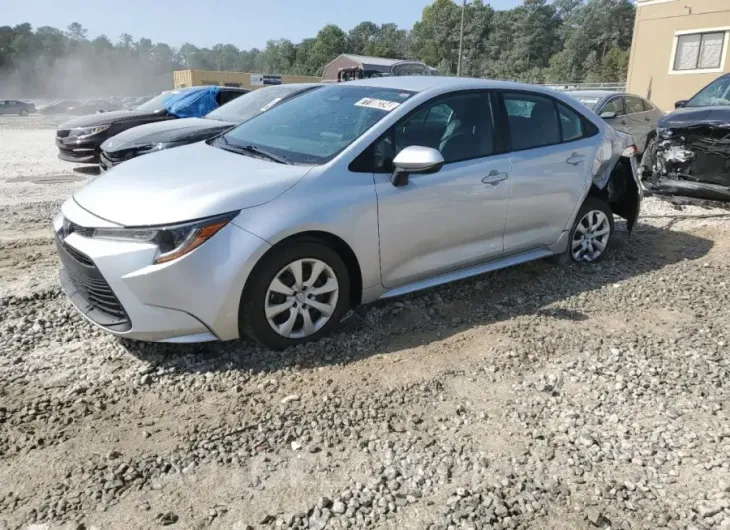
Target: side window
[
  {"x": 571, "y": 123},
  {"x": 224, "y": 96},
  {"x": 647, "y": 105},
  {"x": 461, "y": 127},
  {"x": 533, "y": 120},
  {"x": 633, "y": 105},
  {"x": 438, "y": 115},
  {"x": 615, "y": 105}
]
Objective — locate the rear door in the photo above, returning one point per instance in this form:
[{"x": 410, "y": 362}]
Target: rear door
[
  {"x": 640, "y": 121},
  {"x": 552, "y": 150},
  {"x": 616, "y": 105}
]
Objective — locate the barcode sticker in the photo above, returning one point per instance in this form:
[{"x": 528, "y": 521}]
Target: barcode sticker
[{"x": 381, "y": 104}]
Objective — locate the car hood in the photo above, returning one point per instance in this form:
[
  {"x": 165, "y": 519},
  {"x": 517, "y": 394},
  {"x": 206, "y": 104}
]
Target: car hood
[
  {"x": 104, "y": 118},
  {"x": 185, "y": 130},
  {"x": 183, "y": 184},
  {"x": 689, "y": 116}
]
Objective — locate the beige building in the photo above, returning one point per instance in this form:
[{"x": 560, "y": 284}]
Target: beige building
[
  {"x": 188, "y": 78},
  {"x": 679, "y": 46}
]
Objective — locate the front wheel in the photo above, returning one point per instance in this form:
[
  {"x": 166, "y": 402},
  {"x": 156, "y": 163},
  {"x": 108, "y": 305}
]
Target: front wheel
[
  {"x": 23, "y": 112},
  {"x": 296, "y": 294},
  {"x": 592, "y": 232}
]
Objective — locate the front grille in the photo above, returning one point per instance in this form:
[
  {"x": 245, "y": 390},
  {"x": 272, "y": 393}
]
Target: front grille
[
  {"x": 78, "y": 256},
  {"x": 73, "y": 228},
  {"x": 62, "y": 133},
  {"x": 89, "y": 290}
]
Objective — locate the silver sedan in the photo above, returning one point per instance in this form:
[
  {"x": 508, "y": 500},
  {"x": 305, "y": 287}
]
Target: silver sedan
[
  {"x": 624, "y": 112},
  {"x": 348, "y": 194}
]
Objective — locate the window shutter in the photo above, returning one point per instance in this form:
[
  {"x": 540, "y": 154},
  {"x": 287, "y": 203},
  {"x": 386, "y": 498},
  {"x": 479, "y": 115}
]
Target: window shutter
[
  {"x": 711, "y": 50},
  {"x": 688, "y": 50}
]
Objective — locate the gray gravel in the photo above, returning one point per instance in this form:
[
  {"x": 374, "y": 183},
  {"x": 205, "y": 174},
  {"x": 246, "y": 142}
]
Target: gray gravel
[{"x": 536, "y": 397}]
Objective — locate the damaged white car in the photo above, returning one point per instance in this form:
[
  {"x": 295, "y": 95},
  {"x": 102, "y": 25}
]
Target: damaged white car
[{"x": 344, "y": 195}]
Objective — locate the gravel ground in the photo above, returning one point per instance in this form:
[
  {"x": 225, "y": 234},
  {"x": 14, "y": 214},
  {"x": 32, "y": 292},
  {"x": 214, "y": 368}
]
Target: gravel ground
[{"x": 535, "y": 397}]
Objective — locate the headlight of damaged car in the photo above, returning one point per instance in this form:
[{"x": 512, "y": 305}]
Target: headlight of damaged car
[
  {"x": 160, "y": 146},
  {"x": 83, "y": 132},
  {"x": 172, "y": 241}
]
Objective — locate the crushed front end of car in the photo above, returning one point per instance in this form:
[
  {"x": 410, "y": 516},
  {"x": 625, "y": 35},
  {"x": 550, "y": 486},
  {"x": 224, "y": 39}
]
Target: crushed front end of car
[
  {"x": 615, "y": 176},
  {"x": 690, "y": 159}
]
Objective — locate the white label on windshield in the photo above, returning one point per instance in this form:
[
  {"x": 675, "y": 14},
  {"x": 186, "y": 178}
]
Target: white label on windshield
[
  {"x": 382, "y": 104},
  {"x": 270, "y": 104}
]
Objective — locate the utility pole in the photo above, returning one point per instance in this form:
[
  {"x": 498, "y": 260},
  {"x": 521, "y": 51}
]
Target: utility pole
[{"x": 461, "y": 38}]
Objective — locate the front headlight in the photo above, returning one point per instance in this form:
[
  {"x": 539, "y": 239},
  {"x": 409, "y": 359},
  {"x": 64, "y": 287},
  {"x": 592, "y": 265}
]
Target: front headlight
[
  {"x": 174, "y": 241},
  {"x": 161, "y": 146},
  {"x": 83, "y": 132}
]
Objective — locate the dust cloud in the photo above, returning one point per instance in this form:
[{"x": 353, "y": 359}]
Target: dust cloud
[{"x": 76, "y": 77}]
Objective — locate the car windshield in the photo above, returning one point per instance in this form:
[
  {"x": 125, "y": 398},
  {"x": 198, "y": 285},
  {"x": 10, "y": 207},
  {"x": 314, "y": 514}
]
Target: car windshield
[
  {"x": 157, "y": 102},
  {"x": 315, "y": 127},
  {"x": 715, "y": 94},
  {"x": 247, "y": 106},
  {"x": 589, "y": 102}
]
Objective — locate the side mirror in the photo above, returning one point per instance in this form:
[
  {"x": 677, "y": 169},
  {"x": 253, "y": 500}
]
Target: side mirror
[
  {"x": 608, "y": 115},
  {"x": 415, "y": 159},
  {"x": 681, "y": 103}
]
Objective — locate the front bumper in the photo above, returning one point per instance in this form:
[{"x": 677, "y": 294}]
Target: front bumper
[
  {"x": 84, "y": 151},
  {"x": 689, "y": 164},
  {"x": 191, "y": 299},
  {"x": 109, "y": 159}
]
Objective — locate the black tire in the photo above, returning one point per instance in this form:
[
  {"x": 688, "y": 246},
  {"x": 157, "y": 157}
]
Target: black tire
[
  {"x": 591, "y": 204},
  {"x": 252, "y": 317},
  {"x": 23, "y": 112}
]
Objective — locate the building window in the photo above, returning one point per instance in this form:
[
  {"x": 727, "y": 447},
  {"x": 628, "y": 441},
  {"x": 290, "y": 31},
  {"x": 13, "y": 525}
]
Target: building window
[
  {"x": 234, "y": 85},
  {"x": 699, "y": 51}
]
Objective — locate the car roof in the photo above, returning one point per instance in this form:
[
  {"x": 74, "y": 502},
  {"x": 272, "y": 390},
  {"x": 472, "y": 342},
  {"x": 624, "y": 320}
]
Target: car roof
[
  {"x": 596, "y": 93},
  {"x": 293, "y": 85},
  {"x": 421, "y": 83}
]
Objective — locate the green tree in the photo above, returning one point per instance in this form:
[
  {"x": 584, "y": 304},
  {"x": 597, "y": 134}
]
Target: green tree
[
  {"x": 331, "y": 41},
  {"x": 435, "y": 38},
  {"x": 360, "y": 37},
  {"x": 76, "y": 31}
]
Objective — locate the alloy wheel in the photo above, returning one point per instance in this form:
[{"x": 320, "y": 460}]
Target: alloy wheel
[
  {"x": 301, "y": 298},
  {"x": 590, "y": 237}
]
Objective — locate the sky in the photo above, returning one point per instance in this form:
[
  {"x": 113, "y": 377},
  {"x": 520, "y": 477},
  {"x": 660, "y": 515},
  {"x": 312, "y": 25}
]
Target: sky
[{"x": 244, "y": 23}]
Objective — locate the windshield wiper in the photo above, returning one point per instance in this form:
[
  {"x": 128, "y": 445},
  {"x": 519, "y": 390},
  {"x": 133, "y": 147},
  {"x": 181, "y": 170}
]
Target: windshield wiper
[
  {"x": 251, "y": 149},
  {"x": 262, "y": 152}
]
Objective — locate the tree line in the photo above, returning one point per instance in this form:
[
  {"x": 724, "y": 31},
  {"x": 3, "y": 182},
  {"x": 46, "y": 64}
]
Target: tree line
[{"x": 539, "y": 42}]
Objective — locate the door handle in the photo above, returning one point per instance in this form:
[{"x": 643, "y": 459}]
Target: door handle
[
  {"x": 647, "y": 118},
  {"x": 575, "y": 159},
  {"x": 623, "y": 122},
  {"x": 495, "y": 177}
]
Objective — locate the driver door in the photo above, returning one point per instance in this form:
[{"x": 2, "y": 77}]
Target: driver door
[{"x": 453, "y": 218}]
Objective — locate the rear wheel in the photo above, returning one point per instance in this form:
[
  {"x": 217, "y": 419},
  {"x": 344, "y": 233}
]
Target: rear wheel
[
  {"x": 296, "y": 294},
  {"x": 23, "y": 112},
  {"x": 590, "y": 237}
]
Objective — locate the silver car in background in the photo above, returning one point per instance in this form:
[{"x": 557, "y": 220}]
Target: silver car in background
[
  {"x": 624, "y": 112},
  {"x": 344, "y": 195}
]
